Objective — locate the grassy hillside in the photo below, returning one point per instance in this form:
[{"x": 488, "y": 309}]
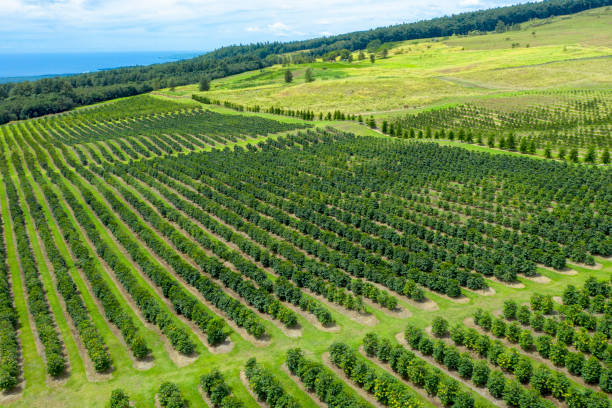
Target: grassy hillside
[{"x": 558, "y": 52}]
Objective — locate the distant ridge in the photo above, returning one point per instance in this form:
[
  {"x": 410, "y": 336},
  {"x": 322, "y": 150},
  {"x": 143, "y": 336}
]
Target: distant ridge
[{"x": 51, "y": 95}]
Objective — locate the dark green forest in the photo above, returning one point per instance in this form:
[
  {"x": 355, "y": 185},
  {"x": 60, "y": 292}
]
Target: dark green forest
[{"x": 25, "y": 100}]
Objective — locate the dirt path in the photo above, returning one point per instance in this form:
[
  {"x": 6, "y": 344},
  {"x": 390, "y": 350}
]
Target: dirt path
[
  {"x": 483, "y": 392},
  {"x": 360, "y": 391}
]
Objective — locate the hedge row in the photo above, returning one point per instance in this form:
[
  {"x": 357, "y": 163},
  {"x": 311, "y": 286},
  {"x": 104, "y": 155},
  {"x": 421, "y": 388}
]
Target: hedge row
[
  {"x": 383, "y": 386},
  {"x": 219, "y": 393},
  {"x": 267, "y": 388}
]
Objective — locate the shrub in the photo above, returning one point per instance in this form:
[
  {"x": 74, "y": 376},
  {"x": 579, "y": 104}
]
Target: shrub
[
  {"x": 170, "y": 396},
  {"x": 496, "y": 384},
  {"x": 513, "y": 332},
  {"x": 591, "y": 370},
  {"x": 523, "y": 370},
  {"x": 510, "y": 308},
  {"x": 574, "y": 362},
  {"x": 119, "y": 399},
  {"x": 466, "y": 366},
  {"x": 498, "y": 328},
  {"x": 439, "y": 327},
  {"x": 543, "y": 345},
  {"x": 523, "y": 315},
  {"x": 432, "y": 380},
  {"x": 542, "y": 380},
  {"x": 526, "y": 340},
  {"x": 512, "y": 393},
  {"x": 370, "y": 344},
  {"x": 480, "y": 373}
]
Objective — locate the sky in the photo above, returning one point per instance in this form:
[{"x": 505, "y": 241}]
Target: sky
[{"x": 33, "y": 26}]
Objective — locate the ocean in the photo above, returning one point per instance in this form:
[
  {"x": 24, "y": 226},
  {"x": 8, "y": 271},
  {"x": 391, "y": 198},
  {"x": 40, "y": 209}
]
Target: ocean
[{"x": 23, "y": 67}]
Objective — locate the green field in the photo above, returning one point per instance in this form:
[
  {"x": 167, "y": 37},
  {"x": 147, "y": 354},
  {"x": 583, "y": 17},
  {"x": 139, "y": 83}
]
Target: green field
[
  {"x": 554, "y": 63},
  {"x": 156, "y": 238}
]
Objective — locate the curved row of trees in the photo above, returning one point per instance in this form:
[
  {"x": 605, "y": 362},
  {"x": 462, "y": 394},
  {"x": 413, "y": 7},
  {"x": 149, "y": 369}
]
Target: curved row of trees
[
  {"x": 473, "y": 365},
  {"x": 267, "y": 388},
  {"x": 254, "y": 296},
  {"x": 385, "y": 388},
  {"x": 281, "y": 288},
  {"x": 413, "y": 369},
  {"x": 38, "y": 303},
  {"x": 591, "y": 369},
  {"x": 150, "y": 307},
  {"x": 65, "y": 285},
  {"x": 321, "y": 381},
  {"x": 217, "y": 390},
  {"x": 84, "y": 256},
  {"x": 9, "y": 343}
]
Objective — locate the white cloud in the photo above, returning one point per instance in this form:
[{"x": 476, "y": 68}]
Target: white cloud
[{"x": 198, "y": 24}]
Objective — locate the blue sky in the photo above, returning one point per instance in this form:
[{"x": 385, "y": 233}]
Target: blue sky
[{"x": 149, "y": 25}]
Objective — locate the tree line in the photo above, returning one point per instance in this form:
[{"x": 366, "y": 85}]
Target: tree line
[{"x": 51, "y": 95}]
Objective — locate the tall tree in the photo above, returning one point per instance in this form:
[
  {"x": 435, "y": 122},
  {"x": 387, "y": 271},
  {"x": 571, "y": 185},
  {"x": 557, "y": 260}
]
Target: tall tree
[
  {"x": 288, "y": 76},
  {"x": 308, "y": 76},
  {"x": 204, "y": 84}
]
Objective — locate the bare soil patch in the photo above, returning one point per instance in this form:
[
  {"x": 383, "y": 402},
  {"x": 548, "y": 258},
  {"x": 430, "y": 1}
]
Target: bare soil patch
[
  {"x": 513, "y": 285},
  {"x": 564, "y": 271},
  {"x": 595, "y": 267},
  {"x": 483, "y": 292},
  {"x": 538, "y": 278}
]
